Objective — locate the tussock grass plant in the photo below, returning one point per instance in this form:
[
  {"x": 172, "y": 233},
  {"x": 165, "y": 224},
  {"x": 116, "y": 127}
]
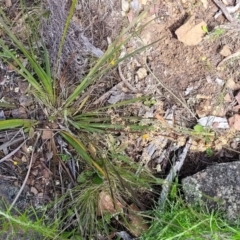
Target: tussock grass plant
[{"x": 110, "y": 172}]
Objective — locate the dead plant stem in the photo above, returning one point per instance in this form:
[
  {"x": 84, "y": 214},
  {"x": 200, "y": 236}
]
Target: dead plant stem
[
  {"x": 184, "y": 105},
  {"x": 27, "y": 175},
  {"x": 125, "y": 80},
  {"x": 13, "y": 152},
  {"x": 224, "y": 10}
]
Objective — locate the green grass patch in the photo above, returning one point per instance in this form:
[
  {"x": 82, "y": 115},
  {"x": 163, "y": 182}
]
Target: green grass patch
[{"x": 181, "y": 221}]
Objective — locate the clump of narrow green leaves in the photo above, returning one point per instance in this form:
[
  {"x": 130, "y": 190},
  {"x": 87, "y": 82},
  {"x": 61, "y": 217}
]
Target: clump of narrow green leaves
[{"x": 76, "y": 121}]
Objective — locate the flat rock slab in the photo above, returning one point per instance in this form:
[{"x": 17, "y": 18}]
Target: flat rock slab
[
  {"x": 217, "y": 188},
  {"x": 191, "y": 32}
]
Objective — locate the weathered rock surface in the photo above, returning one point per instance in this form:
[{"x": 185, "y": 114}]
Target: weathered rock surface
[
  {"x": 191, "y": 32},
  {"x": 226, "y": 51},
  {"x": 217, "y": 187}
]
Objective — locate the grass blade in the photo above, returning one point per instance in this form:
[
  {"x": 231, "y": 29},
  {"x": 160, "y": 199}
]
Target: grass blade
[
  {"x": 42, "y": 75},
  {"x": 15, "y": 123},
  {"x": 80, "y": 148},
  {"x": 64, "y": 34}
]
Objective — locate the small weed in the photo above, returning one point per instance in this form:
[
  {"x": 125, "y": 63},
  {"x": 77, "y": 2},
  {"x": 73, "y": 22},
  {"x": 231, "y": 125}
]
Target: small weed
[
  {"x": 203, "y": 132},
  {"x": 216, "y": 33},
  {"x": 205, "y": 29},
  {"x": 209, "y": 152}
]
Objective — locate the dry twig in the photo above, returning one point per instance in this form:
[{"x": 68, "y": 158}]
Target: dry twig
[
  {"x": 234, "y": 55},
  {"x": 172, "y": 174},
  {"x": 224, "y": 10},
  {"x": 13, "y": 152},
  {"x": 108, "y": 93},
  {"x": 27, "y": 175},
  {"x": 230, "y": 9},
  {"x": 125, "y": 80}
]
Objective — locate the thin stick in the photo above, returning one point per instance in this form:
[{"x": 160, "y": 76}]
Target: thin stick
[
  {"x": 108, "y": 93},
  {"x": 11, "y": 153},
  {"x": 27, "y": 175},
  {"x": 172, "y": 174},
  {"x": 224, "y": 10},
  {"x": 167, "y": 89},
  {"x": 234, "y": 55},
  {"x": 230, "y": 9},
  {"x": 7, "y": 177},
  {"x": 125, "y": 80}
]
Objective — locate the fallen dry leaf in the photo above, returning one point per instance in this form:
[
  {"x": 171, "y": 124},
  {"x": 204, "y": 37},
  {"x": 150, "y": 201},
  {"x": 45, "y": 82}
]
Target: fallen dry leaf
[
  {"x": 191, "y": 32},
  {"x": 47, "y": 134},
  {"x": 234, "y": 122},
  {"x": 154, "y": 9},
  {"x": 106, "y": 205},
  {"x": 34, "y": 190},
  {"x": 137, "y": 225}
]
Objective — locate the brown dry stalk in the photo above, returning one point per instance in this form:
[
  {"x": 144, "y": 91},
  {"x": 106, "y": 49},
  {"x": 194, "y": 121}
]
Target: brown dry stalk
[
  {"x": 234, "y": 55},
  {"x": 13, "y": 152},
  {"x": 125, "y": 80},
  {"x": 108, "y": 93},
  {"x": 28, "y": 173},
  {"x": 224, "y": 10}
]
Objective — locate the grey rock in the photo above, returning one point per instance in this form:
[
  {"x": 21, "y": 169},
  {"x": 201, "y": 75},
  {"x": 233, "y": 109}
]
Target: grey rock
[{"x": 216, "y": 188}]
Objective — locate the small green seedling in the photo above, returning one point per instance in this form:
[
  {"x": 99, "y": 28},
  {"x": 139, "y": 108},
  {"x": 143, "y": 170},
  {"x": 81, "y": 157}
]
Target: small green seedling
[
  {"x": 204, "y": 132},
  {"x": 216, "y": 33},
  {"x": 209, "y": 152},
  {"x": 205, "y": 29},
  {"x": 198, "y": 128},
  {"x": 64, "y": 157},
  {"x": 149, "y": 102}
]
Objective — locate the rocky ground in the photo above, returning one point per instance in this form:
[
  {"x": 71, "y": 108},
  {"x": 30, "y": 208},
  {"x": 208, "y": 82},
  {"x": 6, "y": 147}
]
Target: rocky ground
[{"x": 190, "y": 71}]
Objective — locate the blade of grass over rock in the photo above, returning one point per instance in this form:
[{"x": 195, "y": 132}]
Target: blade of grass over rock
[
  {"x": 16, "y": 123},
  {"x": 64, "y": 34},
  {"x": 42, "y": 75},
  {"x": 109, "y": 126},
  {"x": 91, "y": 76},
  {"x": 47, "y": 61},
  {"x": 7, "y": 105},
  {"x": 99, "y": 68},
  {"x": 114, "y": 48},
  {"x": 80, "y": 148},
  {"x": 124, "y": 103}
]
